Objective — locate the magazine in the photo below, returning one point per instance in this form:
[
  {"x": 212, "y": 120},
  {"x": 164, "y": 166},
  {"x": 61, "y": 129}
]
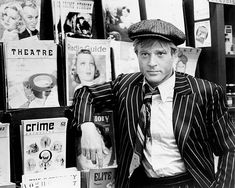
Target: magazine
[
  {"x": 43, "y": 144},
  {"x": 187, "y": 60},
  {"x": 25, "y": 22},
  {"x": 100, "y": 178},
  {"x": 125, "y": 59},
  {"x": 76, "y": 18},
  {"x": 68, "y": 177},
  {"x": 118, "y": 16},
  {"x": 5, "y": 152},
  {"x": 87, "y": 63},
  {"x": 31, "y": 74},
  {"x": 92, "y": 175}
]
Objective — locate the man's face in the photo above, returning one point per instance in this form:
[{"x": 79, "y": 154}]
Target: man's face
[
  {"x": 156, "y": 63},
  {"x": 85, "y": 67},
  {"x": 30, "y": 16}
]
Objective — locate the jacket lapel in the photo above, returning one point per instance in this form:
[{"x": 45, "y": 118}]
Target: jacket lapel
[
  {"x": 134, "y": 102},
  {"x": 183, "y": 107}
]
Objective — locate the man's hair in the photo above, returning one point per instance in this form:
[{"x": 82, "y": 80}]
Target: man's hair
[
  {"x": 148, "y": 42},
  {"x": 29, "y": 4}
]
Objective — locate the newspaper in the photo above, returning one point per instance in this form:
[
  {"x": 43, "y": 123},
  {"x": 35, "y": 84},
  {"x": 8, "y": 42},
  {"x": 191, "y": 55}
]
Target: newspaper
[{"x": 68, "y": 177}]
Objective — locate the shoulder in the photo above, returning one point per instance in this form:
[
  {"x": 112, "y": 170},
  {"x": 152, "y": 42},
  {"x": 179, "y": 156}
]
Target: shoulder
[
  {"x": 130, "y": 78},
  {"x": 201, "y": 85}
]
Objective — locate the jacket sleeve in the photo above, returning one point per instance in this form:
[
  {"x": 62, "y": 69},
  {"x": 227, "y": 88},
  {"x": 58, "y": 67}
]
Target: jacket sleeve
[
  {"x": 87, "y": 98},
  {"x": 224, "y": 141}
]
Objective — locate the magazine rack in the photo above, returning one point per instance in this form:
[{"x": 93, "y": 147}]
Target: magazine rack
[{"x": 14, "y": 116}]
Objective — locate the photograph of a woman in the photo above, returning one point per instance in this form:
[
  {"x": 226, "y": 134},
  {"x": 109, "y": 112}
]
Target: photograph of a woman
[
  {"x": 11, "y": 20},
  {"x": 84, "y": 70}
]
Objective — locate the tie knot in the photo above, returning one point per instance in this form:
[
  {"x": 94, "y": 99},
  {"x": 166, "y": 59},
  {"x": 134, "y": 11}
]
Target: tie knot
[
  {"x": 155, "y": 91},
  {"x": 150, "y": 91}
]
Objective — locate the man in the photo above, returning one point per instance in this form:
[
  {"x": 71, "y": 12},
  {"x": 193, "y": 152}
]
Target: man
[
  {"x": 169, "y": 125},
  {"x": 30, "y": 17}
]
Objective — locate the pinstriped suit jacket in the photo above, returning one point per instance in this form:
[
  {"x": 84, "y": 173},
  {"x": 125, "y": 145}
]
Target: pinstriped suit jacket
[{"x": 201, "y": 123}]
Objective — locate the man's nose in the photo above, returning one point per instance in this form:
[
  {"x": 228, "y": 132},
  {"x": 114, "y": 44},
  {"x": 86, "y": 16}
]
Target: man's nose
[{"x": 153, "y": 61}]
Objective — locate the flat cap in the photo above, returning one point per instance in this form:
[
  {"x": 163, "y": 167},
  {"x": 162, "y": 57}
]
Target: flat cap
[{"x": 156, "y": 28}]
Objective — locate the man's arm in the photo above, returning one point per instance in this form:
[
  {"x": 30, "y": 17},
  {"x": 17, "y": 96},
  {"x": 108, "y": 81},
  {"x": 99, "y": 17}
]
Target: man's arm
[
  {"x": 224, "y": 142},
  {"x": 85, "y": 101}
]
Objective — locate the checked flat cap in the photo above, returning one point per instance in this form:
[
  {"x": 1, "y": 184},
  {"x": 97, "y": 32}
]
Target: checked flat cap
[{"x": 156, "y": 28}]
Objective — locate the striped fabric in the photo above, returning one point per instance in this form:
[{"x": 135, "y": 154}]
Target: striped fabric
[
  {"x": 143, "y": 131},
  {"x": 201, "y": 124}
]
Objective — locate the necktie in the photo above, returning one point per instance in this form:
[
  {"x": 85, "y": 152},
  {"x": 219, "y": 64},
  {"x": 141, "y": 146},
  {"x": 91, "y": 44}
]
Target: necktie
[{"x": 143, "y": 130}]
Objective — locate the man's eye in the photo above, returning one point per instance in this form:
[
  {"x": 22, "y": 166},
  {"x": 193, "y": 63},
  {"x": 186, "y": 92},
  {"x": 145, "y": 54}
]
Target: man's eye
[
  {"x": 160, "y": 53},
  {"x": 144, "y": 55}
]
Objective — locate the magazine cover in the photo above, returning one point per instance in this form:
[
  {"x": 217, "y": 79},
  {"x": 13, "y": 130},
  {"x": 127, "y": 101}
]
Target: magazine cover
[
  {"x": 87, "y": 63},
  {"x": 118, "y": 16},
  {"x": 67, "y": 178},
  {"x": 92, "y": 173},
  {"x": 31, "y": 74},
  {"x": 202, "y": 33},
  {"x": 187, "y": 60},
  {"x": 43, "y": 144},
  {"x": 125, "y": 59},
  {"x": 5, "y": 152},
  {"x": 19, "y": 19},
  {"x": 100, "y": 178},
  {"x": 76, "y": 18}
]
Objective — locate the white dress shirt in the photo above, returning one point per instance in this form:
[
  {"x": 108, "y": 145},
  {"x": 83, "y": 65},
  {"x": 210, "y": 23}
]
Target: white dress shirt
[{"x": 161, "y": 150}]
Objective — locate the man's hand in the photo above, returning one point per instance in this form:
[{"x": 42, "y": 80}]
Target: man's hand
[{"x": 92, "y": 143}]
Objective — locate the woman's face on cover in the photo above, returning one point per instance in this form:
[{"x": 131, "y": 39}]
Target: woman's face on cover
[
  {"x": 85, "y": 67},
  {"x": 10, "y": 19}
]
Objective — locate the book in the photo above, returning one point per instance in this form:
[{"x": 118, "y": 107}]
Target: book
[
  {"x": 92, "y": 175},
  {"x": 26, "y": 19},
  {"x": 31, "y": 74},
  {"x": 87, "y": 63},
  {"x": 43, "y": 144},
  {"x": 118, "y": 16},
  {"x": 68, "y": 177},
  {"x": 5, "y": 170},
  {"x": 76, "y": 18},
  {"x": 125, "y": 59},
  {"x": 187, "y": 60}
]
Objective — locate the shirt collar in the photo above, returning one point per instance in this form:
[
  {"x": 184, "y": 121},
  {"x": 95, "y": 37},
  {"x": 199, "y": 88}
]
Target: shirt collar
[{"x": 166, "y": 88}]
